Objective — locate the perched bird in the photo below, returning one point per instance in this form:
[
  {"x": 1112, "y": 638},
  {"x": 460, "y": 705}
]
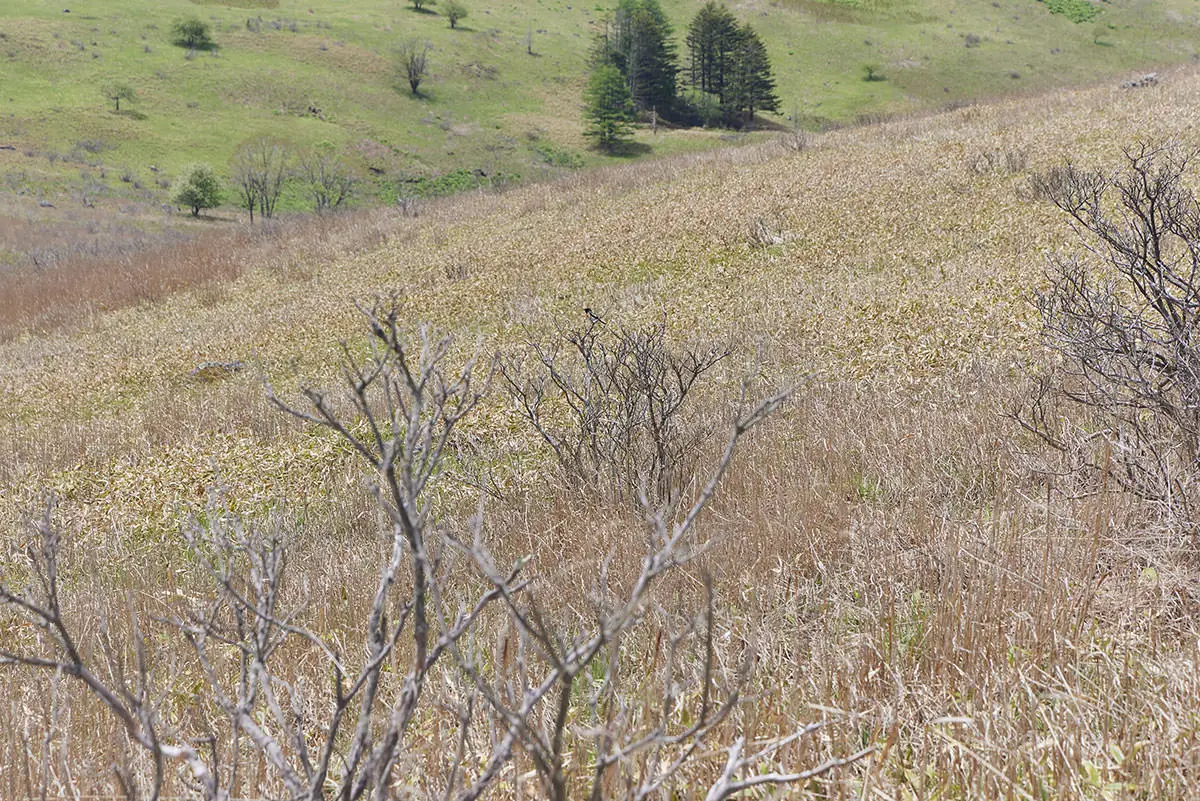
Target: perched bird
[{"x": 595, "y": 318}]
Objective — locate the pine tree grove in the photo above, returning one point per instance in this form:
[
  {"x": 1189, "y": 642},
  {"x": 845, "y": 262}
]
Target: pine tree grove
[{"x": 730, "y": 63}]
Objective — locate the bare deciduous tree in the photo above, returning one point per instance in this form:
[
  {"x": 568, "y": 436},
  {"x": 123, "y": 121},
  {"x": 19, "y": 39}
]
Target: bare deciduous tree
[
  {"x": 1125, "y": 320},
  {"x": 420, "y": 649},
  {"x": 327, "y": 179},
  {"x": 259, "y": 171}
]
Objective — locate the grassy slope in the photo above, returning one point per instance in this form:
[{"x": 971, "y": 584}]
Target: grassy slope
[
  {"x": 489, "y": 105},
  {"x": 893, "y": 498}
]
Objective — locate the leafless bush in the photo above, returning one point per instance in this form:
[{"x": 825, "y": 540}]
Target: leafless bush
[
  {"x": 1125, "y": 320},
  {"x": 795, "y": 139},
  {"x": 615, "y": 406},
  {"x": 565, "y": 688},
  {"x": 1001, "y": 160}
]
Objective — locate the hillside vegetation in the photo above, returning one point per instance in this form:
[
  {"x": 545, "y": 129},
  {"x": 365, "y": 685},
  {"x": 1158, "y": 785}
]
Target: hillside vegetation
[
  {"x": 503, "y": 95},
  {"x": 892, "y": 556}
]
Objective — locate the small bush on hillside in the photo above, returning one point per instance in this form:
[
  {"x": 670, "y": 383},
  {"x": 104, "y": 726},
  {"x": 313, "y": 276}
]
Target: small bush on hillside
[
  {"x": 192, "y": 33},
  {"x": 197, "y": 188},
  {"x": 699, "y": 108},
  {"x": 259, "y": 170},
  {"x": 327, "y": 179},
  {"x": 547, "y": 153},
  {"x": 454, "y": 11}
]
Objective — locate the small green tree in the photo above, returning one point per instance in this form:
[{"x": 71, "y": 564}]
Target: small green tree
[
  {"x": 192, "y": 33},
  {"x": 327, "y": 179},
  {"x": 117, "y": 91},
  {"x": 197, "y": 188},
  {"x": 608, "y": 107},
  {"x": 454, "y": 11}
]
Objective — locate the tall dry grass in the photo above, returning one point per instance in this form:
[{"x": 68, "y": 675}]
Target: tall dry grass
[
  {"x": 884, "y": 562},
  {"x": 893, "y": 555}
]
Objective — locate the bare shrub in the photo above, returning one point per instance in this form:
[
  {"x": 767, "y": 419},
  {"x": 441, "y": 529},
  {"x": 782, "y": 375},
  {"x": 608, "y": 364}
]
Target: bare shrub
[
  {"x": 420, "y": 658},
  {"x": 1125, "y": 320},
  {"x": 413, "y": 62},
  {"x": 795, "y": 139},
  {"x": 616, "y": 406},
  {"x": 1001, "y": 160},
  {"x": 767, "y": 231}
]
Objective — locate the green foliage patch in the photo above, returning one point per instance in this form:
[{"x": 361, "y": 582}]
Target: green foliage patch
[
  {"x": 548, "y": 153},
  {"x": 1075, "y": 10},
  {"x": 449, "y": 183}
]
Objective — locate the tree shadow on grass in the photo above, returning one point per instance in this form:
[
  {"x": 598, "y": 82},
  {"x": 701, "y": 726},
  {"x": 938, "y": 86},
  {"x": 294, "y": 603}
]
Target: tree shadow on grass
[{"x": 629, "y": 150}]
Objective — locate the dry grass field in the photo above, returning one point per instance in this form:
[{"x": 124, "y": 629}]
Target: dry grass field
[{"x": 889, "y": 553}]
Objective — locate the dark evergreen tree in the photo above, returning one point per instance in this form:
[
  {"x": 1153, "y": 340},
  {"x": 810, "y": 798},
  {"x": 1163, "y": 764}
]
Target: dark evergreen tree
[
  {"x": 640, "y": 45},
  {"x": 608, "y": 107},
  {"x": 712, "y": 40},
  {"x": 749, "y": 86}
]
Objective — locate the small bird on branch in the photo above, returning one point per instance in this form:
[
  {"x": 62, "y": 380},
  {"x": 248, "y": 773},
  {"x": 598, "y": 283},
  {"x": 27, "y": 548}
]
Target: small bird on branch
[{"x": 595, "y": 318}]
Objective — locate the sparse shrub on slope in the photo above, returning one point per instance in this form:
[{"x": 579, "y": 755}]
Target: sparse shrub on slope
[
  {"x": 116, "y": 91},
  {"x": 632, "y": 429},
  {"x": 1075, "y": 10},
  {"x": 413, "y": 63},
  {"x": 259, "y": 171}
]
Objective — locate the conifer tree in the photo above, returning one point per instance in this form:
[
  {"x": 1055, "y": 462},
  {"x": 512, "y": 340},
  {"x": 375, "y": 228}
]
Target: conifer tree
[
  {"x": 640, "y": 46},
  {"x": 749, "y": 84},
  {"x": 712, "y": 40},
  {"x": 608, "y": 107}
]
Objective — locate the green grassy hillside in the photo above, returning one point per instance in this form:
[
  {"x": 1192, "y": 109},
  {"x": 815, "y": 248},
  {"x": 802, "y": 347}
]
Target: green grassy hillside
[{"x": 321, "y": 72}]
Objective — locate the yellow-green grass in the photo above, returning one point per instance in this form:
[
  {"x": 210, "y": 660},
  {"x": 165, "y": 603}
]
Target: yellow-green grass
[{"x": 889, "y": 550}]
